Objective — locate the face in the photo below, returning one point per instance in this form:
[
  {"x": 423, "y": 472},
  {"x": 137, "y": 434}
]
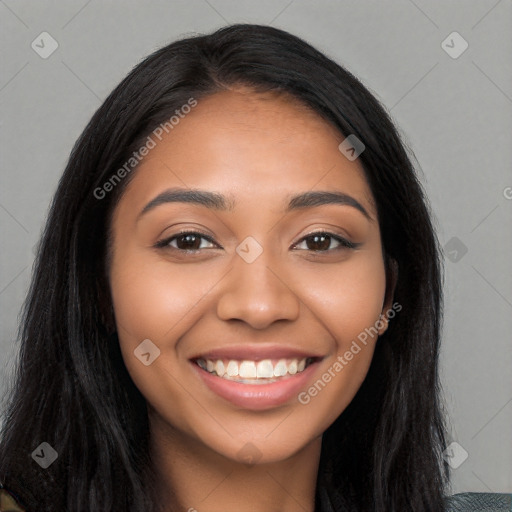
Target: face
[{"x": 251, "y": 302}]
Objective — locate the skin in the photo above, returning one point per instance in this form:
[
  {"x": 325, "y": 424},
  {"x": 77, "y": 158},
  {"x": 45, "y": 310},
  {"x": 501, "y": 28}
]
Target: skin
[{"x": 257, "y": 149}]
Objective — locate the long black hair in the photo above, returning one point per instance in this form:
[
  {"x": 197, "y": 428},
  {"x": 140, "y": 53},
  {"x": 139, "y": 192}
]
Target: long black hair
[{"x": 71, "y": 388}]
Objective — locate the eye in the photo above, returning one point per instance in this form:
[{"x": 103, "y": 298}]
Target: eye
[
  {"x": 320, "y": 241},
  {"x": 186, "y": 241},
  {"x": 190, "y": 241}
]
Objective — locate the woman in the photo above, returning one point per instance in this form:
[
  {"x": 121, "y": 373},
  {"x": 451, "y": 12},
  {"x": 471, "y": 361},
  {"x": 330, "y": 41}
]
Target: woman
[{"x": 237, "y": 298}]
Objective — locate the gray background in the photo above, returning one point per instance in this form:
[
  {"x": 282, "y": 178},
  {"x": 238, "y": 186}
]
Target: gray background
[{"x": 455, "y": 114}]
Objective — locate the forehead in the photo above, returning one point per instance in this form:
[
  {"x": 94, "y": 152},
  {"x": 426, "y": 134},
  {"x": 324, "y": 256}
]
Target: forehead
[{"x": 253, "y": 148}]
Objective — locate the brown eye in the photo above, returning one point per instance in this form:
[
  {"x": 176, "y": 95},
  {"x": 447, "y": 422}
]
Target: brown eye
[
  {"x": 321, "y": 242},
  {"x": 188, "y": 241}
]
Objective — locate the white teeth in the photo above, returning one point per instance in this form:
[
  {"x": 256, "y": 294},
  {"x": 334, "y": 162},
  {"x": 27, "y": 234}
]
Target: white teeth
[
  {"x": 264, "y": 370},
  {"x": 219, "y": 367},
  {"x": 280, "y": 368},
  {"x": 232, "y": 369},
  {"x": 247, "y": 370}
]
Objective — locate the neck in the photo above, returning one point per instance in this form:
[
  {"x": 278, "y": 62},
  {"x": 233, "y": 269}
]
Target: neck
[{"x": 194, "y": 478}]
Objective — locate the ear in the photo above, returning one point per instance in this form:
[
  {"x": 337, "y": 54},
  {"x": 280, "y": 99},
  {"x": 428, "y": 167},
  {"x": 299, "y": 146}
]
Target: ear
[{"x": 391, "y": 280}]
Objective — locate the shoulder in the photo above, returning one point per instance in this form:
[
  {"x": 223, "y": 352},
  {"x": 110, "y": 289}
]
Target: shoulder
[
  {"x": 8, "y": 502},
  {"x": 479, "y": 501}
]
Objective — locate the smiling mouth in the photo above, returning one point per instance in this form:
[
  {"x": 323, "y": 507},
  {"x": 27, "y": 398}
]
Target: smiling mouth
[{"x": 264, "y": 371}]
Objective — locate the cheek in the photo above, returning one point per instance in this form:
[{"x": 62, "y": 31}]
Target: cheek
[
  {"x": 348, "y": 302},
  {"x": 158, "y": 301},
  {"x": 151, "y": 297},
  {"x": 347, "y": 298},
  {"x": 152, "y": 300}
]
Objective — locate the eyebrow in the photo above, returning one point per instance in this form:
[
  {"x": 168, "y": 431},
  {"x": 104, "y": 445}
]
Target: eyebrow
[{"x": 219, "y": 202}]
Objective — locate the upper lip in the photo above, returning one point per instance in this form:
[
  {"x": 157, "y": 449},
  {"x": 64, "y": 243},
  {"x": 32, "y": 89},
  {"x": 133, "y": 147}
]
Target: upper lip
[{"x": 255, "y": 353}]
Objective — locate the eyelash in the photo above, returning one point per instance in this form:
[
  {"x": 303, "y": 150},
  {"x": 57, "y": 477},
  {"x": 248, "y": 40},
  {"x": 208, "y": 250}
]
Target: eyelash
[{"x": 344, "y": 243}]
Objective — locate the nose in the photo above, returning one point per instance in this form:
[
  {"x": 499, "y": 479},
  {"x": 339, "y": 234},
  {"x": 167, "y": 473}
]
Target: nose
[{"x": 258, "y": 293}]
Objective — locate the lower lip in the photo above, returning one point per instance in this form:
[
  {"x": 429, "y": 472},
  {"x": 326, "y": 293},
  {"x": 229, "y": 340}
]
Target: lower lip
[{"x": 257, "y": 396}]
